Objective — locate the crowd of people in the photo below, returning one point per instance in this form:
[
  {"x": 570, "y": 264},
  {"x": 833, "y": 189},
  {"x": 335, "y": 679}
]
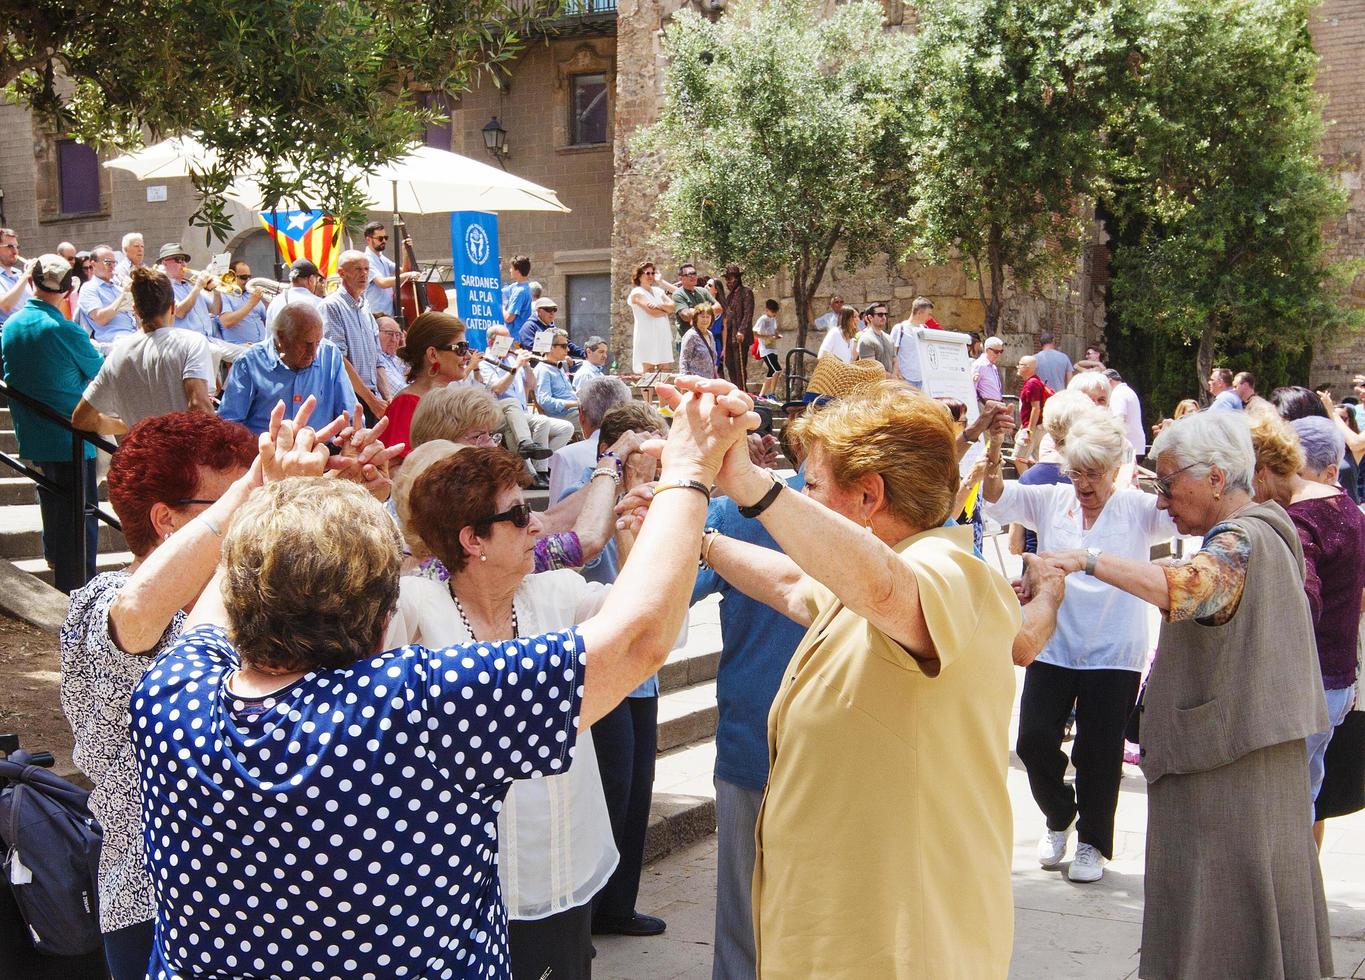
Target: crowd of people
[{"x": 357, "y": 708}]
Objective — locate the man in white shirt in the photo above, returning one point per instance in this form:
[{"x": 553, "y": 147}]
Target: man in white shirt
[
  {"x": 383, "y": 277},
  {"x": 903, "y": 339},
  {"x": 533, "y": 437},
  {"x": 305, "y": 287},
  {"x": 567, "y": 463},
  {"x": 131, "y": 257},
  {"x": 1123, "y": 403},
  {"x": 830, "y": 321}
]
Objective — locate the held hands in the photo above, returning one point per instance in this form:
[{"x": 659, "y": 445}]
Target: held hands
[
  {"x": 363, "y": 458},
  {"x": 1041, "y": 580},
  {"x": 290, "y": 448},
  {"x": 710, "y": 418},
  {"x": 1066, "y": 562},
  {"x": 997, "y": 418}
]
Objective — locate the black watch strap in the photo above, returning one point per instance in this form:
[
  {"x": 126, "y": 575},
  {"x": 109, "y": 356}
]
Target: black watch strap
[{"x": 765, "y": 501}]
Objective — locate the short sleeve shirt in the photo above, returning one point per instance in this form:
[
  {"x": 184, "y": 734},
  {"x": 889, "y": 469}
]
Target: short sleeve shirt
[
  {"x": 250, "y": 328},
  {"x": 50, "y": 358},
  {"x": 1034, "y": 392},
  {"x": 347, "y": 824},
  {"x": 145, "y": 374},
  {"x": 95, "y": 295},
  {"x": 516, "y": 299},
  {"x": 379, "y": 299},
  {"x": 1052, "y": 367},
  {"x": 198, "y": 319}
]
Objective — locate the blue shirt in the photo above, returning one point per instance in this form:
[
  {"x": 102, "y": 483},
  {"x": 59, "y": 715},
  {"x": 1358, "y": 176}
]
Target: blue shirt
[
  {"x": 49, "y": 358},
  {"x": 554, "y": 392},
  {"x": 259, "y": 379},
  {"x": 250, "y": 329},
  {"x": 346, "y": 825},
  {"x": 96, "y": 294},
  {"x": 586, "y": 371},
  {"x": 351, "y": 326},
  {"x": 757, "y": 642},
  {"x": 8, "y": 279},
  {"x": 380, "y": 300},
  {"x": 198, "y": 319},
  {"x": 516, "y": 299},
  {"x": 1226, "y": 401}
]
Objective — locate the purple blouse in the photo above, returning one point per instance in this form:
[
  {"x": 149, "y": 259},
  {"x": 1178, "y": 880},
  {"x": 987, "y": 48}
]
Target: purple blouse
[{"x": 1332, "y": 530}]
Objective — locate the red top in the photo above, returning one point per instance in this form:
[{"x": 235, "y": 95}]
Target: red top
[
  {"x": 932, "y": 324},
  {"x": 399, "y": 415},
  {"x": 1033, "y": 392}
]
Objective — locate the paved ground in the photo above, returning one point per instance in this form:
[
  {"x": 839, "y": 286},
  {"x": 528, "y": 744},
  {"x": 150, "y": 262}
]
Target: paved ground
[{"x": 1062, "y": 930}]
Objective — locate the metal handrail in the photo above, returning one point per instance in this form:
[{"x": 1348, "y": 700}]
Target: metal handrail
[
  {"x": 80, "y": 507},
  {"x": 788, "y": 376}
]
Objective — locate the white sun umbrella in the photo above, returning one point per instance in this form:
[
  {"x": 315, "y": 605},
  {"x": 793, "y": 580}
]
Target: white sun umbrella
[
  {"x": 174, "y": 157},
  {"x": 426, "y": 180}
]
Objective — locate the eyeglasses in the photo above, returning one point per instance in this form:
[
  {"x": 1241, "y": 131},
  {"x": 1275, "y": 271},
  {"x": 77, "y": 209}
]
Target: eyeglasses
[
  {"x": 1163, "y": 483},
  {"x": 1084, "y": 476},
  {"x": 558, "y": 345},
  {"x": 485, "y": 438},
  {"x": 104, "y": 261},
  {"x": 380, "y": 238},
  {"x": 879, "y": 313},
  {"x": 186, "y": 501},
  {"x": 519, "y": 515},
  {"x": 687, "y": 275},
  {"x": 461, "y": 348}
]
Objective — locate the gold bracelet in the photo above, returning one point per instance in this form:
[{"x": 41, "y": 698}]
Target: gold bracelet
[{"x": 708, "y": 538}]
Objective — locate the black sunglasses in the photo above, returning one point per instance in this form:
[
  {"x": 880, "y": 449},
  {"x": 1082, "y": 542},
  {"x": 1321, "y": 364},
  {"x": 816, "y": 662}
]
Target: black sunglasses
[
  {"x": 519, "y": 515},
  {"x": 461, "y": 348},
  {"x": 186, "y": 501}
]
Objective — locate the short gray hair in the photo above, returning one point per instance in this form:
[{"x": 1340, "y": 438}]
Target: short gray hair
[
  {"x": 1323, "y": 443},
  {"x": 1063, "y": 409},
  {"x": 1203, "y": 440},
  {"x": 128, "y": 239},
  {"x": 351, "y": 255},
  {"x": 293, "y": 318},
  {"x": 1095, "y": 441},
  {"x": 1091, "y": 383},
  {"x": 598, "y": 396},
  {"x": 536, "y": 289},
  {"x": 594, "y": 342}
]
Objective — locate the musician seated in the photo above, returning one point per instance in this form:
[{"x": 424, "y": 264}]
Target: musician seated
[
  {"x": 534, "y": 436},
  {"x": 305, "y": 286},
  {"x": 243, "y": 318},
  {"x": 554, "y": 393},
  {"x": 297, "y": 363},
  {"x": 104, "y": 307}
]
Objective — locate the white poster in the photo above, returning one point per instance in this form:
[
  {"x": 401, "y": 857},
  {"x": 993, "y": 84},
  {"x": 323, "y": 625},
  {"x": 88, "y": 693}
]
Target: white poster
[{"x": 947, "y": 368}]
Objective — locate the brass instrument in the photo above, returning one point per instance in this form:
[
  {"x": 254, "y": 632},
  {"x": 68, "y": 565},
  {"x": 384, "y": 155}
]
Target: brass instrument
[
  {"x": 331, "y": 285},
  {"x": 269, "y": 287},
  {"x": 228, "y": 283}
]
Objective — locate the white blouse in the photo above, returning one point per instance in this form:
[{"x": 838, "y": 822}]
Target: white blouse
[
  {"x": 555, "y": 849},
  {"x": 835, "y": 343}
]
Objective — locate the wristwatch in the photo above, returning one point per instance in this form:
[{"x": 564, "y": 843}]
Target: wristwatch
[
  {"x": 1092, "y": 555},
  {"x": 766, "y": 501}
]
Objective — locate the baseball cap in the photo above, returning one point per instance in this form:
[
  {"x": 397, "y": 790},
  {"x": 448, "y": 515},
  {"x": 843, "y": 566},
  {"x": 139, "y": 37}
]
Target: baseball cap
[
  {"x": 49, "y": 271},
  {"x": 995, "y": 342},
  {"x": 302, "y": 269},
  {"x": 545, "y": 303},
  {"x": 172, "y": 250}
]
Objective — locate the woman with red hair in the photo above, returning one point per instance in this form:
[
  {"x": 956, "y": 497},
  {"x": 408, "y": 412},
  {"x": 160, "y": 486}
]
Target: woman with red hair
[{"x": 175, "y": 483}]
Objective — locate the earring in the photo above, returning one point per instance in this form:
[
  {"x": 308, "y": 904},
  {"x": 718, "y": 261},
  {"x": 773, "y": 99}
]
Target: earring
[
  {"x": 1217, "y": 495},
  {"x": 482, "y": 556}
]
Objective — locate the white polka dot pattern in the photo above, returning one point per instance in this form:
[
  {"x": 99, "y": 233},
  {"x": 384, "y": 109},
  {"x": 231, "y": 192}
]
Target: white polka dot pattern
[{"x": 346, "y": 825}]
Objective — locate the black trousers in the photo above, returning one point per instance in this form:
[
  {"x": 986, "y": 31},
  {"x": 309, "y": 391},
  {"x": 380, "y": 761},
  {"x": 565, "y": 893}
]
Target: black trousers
[
  {"x": 626, "y": 739},
  {"x": 1103, "y": 701},
  {"x": 558, "y": 946},
  {"x": 59, "y": 543}
]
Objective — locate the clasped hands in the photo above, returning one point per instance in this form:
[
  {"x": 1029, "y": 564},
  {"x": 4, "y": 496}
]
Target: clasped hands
[{"x": 289, "y": 447}]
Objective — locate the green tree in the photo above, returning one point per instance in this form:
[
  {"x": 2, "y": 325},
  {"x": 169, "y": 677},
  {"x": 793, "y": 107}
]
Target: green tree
[
  {"x": 1013, "y": 100},
  {"x": 307, "y": 84},
  {"x": 1220, "y": 196},
  {"x": 782, "y": 138}
]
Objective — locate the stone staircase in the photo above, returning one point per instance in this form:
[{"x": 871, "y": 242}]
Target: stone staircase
[{"x": 684, "y": 799}]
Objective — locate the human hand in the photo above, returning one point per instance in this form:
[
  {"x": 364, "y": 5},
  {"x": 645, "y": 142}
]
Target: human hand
[
  {"x": 1067, "y": 562},
  {"x": 632, "y": 508},
  {"x": 1041, "y": 579},
  {"x": 365, "y": 459},
  {"x": 289, "y": 447},
  {"x": 977, "y": 473},
  {"x": 763, "y": 450},
  {"x": 207, "y": 281},
  {"x": 709, "y": 417},
  {"x": 629, "y": 442},
  {"x": 1327, "y": 403}
]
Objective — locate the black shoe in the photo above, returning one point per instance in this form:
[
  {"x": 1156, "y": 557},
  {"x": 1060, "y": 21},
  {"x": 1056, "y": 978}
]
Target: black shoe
[
  {"x": 541, "y": 482},
  {"x": 636, "y": 925},
  {"x": 533, "y": 450}
]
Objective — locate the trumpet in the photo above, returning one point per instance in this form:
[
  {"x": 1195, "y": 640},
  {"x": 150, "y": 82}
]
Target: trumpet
[{"x": 228, "y": 283}]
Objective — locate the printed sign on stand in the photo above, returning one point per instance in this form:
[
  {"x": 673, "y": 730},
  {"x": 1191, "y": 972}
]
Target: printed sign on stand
[
  {"x": 946, "y": 366},
  {"x": 478, "y": 281}
]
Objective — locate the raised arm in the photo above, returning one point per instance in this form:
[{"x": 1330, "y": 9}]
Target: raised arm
[
  {"x": 760, "y": 573},
  {"x": 230, "y": 318}
]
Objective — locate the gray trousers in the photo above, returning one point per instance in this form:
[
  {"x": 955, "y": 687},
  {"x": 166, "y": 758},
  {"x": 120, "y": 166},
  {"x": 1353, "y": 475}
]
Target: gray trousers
[{"x": 736, "y": 817}]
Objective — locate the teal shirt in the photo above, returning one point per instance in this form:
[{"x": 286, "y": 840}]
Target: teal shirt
[{"x": 49, "y": 358}]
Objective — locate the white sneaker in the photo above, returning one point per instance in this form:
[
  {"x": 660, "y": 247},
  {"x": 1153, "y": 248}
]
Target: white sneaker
[
  {"x": 1087, "y": 865},
  {"x": 1052, "y": 847}
]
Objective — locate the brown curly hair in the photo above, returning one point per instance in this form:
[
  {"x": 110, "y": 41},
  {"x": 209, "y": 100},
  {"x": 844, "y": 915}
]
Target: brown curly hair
[{"x": 459, "y": 492}]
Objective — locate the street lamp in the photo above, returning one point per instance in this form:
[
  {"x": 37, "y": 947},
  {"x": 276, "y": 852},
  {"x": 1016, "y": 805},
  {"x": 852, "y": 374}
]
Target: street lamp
[{"x": 495, "y": 140}]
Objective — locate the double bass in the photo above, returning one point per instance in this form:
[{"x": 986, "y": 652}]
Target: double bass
[{"x": 416, "y": 296}]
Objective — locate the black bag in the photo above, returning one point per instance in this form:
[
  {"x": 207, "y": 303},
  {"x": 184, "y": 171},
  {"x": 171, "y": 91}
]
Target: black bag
[
  {"x": 51, "y": 856},
  {"x": 1132, "y": 728}
]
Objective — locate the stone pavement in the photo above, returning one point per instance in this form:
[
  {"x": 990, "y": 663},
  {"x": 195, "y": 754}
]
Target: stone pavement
[{"x": 1062, "y": 930}]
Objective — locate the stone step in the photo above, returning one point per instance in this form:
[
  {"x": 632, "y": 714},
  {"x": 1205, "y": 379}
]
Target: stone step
[
  {"x": 21, "y": 533},
  {"x": 22, "y": 490},
  {"x": 5, "y": 419},
  {"x": 9, "y": 442},
  {"x": 687, "y": 715},
  {"x": 683, "y": 810},
  {"x": 107, "y": 561}
]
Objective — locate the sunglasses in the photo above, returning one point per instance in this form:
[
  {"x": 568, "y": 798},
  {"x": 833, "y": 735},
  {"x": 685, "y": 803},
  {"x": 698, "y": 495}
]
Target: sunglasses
[
  {"x": 1163, "y": 484},
  {"x": 559, "y": 345},
  {"x": 379, "y": 238},
  {"x": 186, "y": 501},
  {"x": 520, "y": 516},
  {"x": 461, "y": 348}
]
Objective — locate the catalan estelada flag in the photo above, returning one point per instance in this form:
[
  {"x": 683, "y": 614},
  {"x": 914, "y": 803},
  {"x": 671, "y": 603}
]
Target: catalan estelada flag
[{"x": 308, "y": 235}]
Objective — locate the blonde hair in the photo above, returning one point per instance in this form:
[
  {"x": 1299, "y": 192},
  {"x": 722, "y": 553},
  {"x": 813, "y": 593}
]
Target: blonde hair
[
  {"x": 890, "y": 429},
  {"x": 1095, "y": 441},
  {"x": 310, "y": 575},
  {"x": 1185, "y": 406},
  {"x": 453, "y": 412},
  {"x": 1276, "y": 444},
  {"x": 1063, "y": 409},
  {"x": 414, "y": 465}
]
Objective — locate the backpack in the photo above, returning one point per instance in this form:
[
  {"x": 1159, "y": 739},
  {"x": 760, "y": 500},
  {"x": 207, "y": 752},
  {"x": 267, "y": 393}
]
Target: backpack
[{"x": 51, "y": 856}]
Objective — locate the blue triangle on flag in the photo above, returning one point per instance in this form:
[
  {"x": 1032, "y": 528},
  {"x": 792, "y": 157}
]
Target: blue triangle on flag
[{"x": 293, "y": 224}]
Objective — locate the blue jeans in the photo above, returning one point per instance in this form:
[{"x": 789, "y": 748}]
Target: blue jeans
[
  {"x": 59, "y": 544},
  {"x": 1338, "y": 703}
]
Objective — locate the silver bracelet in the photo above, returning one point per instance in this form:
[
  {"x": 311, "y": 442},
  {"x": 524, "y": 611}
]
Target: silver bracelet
[
  {"x": 606, "y": 471},
  {"x": 210, "y": 525}
]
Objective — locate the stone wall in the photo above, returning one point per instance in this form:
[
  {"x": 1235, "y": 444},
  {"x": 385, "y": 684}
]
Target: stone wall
[{"x": 1339, "y": 37}]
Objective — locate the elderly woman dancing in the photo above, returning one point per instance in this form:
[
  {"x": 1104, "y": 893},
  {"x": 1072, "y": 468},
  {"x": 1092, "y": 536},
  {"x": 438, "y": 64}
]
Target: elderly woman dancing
[
  {"x": 1233, "y": 887},
  {"x": 884, "y": 841},
  {"x": 1095, "y": 659},
  {"x": 314, "y": 806}
]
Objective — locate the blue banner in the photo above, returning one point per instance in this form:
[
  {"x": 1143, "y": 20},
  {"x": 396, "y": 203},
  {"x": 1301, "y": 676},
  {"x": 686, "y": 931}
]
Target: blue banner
[{"x": 478, "y": 282}]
